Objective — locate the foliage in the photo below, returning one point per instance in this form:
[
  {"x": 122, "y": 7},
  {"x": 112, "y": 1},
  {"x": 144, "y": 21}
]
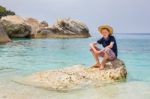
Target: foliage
[{"x": 5, "y": 12}]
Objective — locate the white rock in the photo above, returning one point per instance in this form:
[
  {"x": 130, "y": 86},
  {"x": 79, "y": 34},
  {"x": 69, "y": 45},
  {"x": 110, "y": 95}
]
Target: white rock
[{"x": 76, "y": 76}]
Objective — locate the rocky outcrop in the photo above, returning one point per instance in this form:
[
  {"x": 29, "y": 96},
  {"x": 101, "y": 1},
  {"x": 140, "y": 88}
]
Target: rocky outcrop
[
  {"x": 77, "y": 76},
  {"x": 13, "y": 19},
  {"x": 65, "y": 28},
  {"x": 35, "y": 25},
  {"x": 16, "y": 26},
  {"x": 20, "y": 27},
  {"x": 16, "y": 30},
  {"x": 3, "y": 36},
  {"x": 43, "y": 24}
]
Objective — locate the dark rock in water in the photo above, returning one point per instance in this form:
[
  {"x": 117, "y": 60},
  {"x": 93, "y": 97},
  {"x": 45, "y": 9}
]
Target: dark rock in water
[
  {"x": 3, "y": 35},
  {"x": 65, "y": 28}
]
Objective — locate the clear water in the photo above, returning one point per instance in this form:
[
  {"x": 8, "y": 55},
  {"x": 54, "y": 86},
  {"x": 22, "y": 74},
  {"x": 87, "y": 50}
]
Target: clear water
[{"x": 25, "y": 56}]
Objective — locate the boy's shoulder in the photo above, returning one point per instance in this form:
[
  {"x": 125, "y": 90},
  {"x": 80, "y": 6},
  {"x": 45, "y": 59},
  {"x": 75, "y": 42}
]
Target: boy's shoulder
[{"x": 112, "y": 37}]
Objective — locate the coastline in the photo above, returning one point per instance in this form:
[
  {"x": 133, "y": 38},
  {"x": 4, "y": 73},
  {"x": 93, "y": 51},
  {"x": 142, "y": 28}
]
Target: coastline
[{"x": 19, "y": 27}]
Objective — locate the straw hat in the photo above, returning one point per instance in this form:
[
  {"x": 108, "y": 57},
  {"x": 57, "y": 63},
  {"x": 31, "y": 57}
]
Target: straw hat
[{"x": 105, "y": 27}]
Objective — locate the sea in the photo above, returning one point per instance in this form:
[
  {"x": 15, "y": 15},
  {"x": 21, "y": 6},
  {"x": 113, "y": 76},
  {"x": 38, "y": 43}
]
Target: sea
[{"x": 22, "y": 57}]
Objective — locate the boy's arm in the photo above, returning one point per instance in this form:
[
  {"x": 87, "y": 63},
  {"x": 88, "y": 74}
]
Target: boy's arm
[
  {"x": 110, "y": 45},
  {"x": 92, "y": 45},
  {"x": 112, "y": 41}
]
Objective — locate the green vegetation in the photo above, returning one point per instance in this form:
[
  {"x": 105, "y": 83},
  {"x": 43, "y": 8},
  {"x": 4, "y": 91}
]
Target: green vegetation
[{"x": 5, "y": 12}]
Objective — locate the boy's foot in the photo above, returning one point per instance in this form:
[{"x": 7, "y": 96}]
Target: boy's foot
[
  {"x": 97, "y": 65},
  {"x": 101, "y": 67}
]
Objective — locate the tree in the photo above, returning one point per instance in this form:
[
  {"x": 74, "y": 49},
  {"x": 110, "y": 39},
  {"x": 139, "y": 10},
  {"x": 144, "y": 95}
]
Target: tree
[{"x": 5, "y": 12}]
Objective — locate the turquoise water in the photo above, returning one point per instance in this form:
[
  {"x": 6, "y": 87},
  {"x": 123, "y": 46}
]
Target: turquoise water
[{"x": 25, "y": 56}]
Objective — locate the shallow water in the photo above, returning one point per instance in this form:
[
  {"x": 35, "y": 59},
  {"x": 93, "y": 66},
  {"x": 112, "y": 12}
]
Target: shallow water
[{"x": 25, "y": 56}]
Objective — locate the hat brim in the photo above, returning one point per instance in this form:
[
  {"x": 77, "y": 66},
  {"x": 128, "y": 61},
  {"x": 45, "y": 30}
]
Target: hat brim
[{"x": 100, "y": 28}]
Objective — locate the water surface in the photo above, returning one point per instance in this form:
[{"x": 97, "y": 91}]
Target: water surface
[{"x": 26, "y": 56}]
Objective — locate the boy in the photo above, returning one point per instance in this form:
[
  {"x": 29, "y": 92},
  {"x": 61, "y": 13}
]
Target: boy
[{"x": 109, "y": 52}]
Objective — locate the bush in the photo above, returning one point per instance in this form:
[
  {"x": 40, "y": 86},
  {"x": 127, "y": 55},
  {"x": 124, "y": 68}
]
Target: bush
[{"x": 5, "y": 12}]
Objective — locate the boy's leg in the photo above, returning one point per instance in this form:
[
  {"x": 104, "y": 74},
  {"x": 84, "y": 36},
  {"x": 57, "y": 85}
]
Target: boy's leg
[
  {"x": 108, "y": 55},
  {"x": 97, "y": 60},
  {"x": 105, "y": 58},
  {"x": 96, "y": 57}
]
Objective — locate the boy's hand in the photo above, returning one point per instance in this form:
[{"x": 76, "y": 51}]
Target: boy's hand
[
  {"x": 93, "y": 44},
  {"x": 97, "y": 52},
  {"x": 94, "y": 48}
]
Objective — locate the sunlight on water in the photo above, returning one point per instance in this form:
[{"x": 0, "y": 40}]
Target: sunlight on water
[{"x": 25, "y": 56}]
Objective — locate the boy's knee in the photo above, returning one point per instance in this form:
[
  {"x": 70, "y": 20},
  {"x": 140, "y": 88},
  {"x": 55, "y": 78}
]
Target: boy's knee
[
  {"x": 106, "y": 56},
  {"x": 90, "y": 44},
  {"x": 91, "y": 49}
]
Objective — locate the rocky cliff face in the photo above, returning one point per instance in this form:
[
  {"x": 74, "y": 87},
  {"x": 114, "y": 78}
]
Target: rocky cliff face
[
  {"x": 16, "y": 26},
  {"x": 77, "y": 76},
  {"x": 3, "y": 36}
]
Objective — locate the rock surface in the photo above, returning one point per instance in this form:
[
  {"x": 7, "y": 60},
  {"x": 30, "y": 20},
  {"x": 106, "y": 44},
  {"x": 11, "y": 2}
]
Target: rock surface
[
  {"x": 76, "y": 76},
  {"x": 3, "y": 36},
  {"x": 65, "y": 28},
  {"x": 35, "y": 25},
  {"x": 20, "y": 27},
  {"x": 16, "y": 26}
]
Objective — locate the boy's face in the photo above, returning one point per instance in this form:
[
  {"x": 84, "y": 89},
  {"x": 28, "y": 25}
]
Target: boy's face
[{"x": 105, "y": 33}]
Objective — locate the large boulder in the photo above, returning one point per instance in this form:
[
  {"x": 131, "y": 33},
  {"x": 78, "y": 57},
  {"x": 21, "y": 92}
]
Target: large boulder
[
  {"x": 16, "y": 26},
  {"x": 65, "y": 28},
  {"x": 16, "y": 30},
  {"x": 3, "y": 36},
  {"x": 35, "y": 25},
  {"x": 77, "y": 76},
  {"x": 14, "y": 19}
]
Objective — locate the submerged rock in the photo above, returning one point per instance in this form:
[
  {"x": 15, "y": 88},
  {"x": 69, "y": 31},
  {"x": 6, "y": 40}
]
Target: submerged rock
[
  {"x": 3, "y": 35},
  {"x": 65, "y": 28},
  {"x": 76, "y": 76}
]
